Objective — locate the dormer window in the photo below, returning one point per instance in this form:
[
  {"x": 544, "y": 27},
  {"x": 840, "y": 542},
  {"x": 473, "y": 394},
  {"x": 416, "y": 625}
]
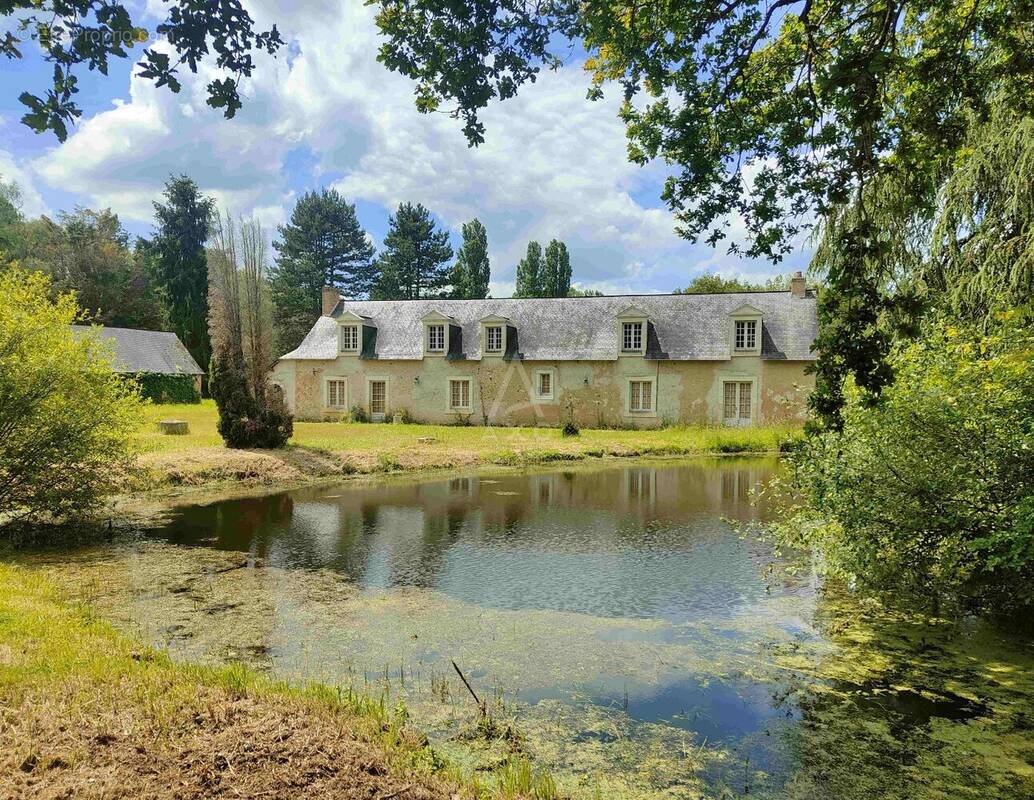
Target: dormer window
[
  {"x": 355, "y": 333},
  {"x": 349, "y": 338},
  {"x": 632, "y": 326},
  {"x": 494, "y": 339},
  {"x": 745, "y": 331},
  {"x": 746, "y": 334},
  {"x": 436, "y": 338},
  {"x": 442, "y": 335},
  {"x": 632, "y": 337},
  {"x": 494, "y": 333}
]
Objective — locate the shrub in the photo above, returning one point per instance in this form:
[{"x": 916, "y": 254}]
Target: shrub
[
  {"x": 243, "y": 421},
  {"x": 358, "y": 414},
  {"x": 931, "y": 490},
  {"x": 168, "y": 388},
  {"x": 403, "y": 415},
  {"x": 66, "y": 418},
  {"x": 569, "y": 429},
  {"x": 386, "y": 462}
]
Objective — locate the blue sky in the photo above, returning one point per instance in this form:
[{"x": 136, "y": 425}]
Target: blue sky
[{"x": 327, "y": 114}]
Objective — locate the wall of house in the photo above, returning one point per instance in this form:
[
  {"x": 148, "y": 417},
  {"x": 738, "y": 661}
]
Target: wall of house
[{"x": 592, "y": 393}]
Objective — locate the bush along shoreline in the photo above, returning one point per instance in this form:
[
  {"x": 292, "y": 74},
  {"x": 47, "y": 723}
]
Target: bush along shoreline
[{"x": 929, "y": 493}]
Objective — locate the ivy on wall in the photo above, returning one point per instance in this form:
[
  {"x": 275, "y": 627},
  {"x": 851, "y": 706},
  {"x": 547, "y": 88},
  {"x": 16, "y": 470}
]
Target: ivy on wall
[{"x": 168, "y": 388}]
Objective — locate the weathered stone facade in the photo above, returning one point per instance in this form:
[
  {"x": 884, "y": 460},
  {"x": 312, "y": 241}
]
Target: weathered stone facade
[
  {"x": 592, "y": 393},
  {"x": 385, "y": 359}
]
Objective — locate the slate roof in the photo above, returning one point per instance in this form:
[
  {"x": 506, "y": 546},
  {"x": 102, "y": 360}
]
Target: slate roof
[
  {"x": 139, "y": 351},
  {"x": 686, "y": 327}
]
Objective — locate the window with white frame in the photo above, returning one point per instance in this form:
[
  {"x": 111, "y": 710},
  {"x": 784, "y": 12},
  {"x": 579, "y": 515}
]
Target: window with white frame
[
  {"x": 746, "y": 337},
  {"x": 378, "y": 392},
  {"x": 737, "y": 402},
  {"x": 494, "y": 339},
  {"x": 640, "y": 396},
  {"x": 435, "y": 338},
  {"x": 459, "y": 394},
  {"x": 544, "y": 384},
  {"x": 349, "y": 337},
  {"x": 632, "y": 336},
  {"x": 337, "y": 393}
]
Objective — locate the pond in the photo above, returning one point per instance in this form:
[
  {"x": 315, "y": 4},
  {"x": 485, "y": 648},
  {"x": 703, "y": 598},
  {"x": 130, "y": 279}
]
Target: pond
[{"x": 628, "y": 625}]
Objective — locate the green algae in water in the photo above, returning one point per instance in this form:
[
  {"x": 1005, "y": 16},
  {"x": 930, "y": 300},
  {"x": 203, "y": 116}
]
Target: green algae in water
[{"x": 629, "y": 640}]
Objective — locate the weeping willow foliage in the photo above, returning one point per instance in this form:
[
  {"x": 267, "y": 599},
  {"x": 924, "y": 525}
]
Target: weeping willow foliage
[
  {"x": 982, "y": 248},
  {"x": 961, "y": 236},
  {"x": 956, "y": 239}
]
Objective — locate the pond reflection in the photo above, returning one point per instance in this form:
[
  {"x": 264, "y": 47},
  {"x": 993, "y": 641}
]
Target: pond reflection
[
  {"x": 643, "y": 541},
  {"x": 643, "y": 647}
]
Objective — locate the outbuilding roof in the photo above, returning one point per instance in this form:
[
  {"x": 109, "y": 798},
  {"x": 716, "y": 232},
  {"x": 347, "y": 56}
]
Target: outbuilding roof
[
  {"x": 139, "y": 351},
  {"x": 684, "y": 327}
]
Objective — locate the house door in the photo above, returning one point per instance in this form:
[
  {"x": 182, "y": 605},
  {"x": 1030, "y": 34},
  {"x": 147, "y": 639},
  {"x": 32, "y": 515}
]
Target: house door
[
  {"x": 378, "y": 400},
  {"x": 736, "y": 406}
]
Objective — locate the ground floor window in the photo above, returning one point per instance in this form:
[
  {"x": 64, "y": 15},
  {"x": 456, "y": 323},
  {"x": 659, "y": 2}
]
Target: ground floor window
[
  {"x": 544, "y": 384},
  {"x": 737, "y": 402},
  {"x": 459, "y": 394},
  {"x": 337, "y": 394},
  {"x": 640, "y": 396},
  {"x": 378, "y": 391}
]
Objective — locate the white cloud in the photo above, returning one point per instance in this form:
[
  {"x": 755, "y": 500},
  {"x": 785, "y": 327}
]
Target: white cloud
[
  {"x": 11, "y": 171},
  {"x": 553, "y": 165}
]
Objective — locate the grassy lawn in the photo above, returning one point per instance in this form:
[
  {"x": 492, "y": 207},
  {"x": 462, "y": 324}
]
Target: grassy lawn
[
  {"x": 87, "y": 712},
  {"x": 321, "y": 450},
  {"x": 490, "y": 441}
]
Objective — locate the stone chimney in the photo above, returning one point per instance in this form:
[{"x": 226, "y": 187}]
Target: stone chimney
[
  {"x": 798, "y": 287},
  {"x": 330, "y": 298}
]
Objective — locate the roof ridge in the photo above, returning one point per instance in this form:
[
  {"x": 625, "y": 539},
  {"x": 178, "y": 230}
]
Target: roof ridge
[
  {"x": 117, "y": 328},
  {"x": 583, "y": 297}
]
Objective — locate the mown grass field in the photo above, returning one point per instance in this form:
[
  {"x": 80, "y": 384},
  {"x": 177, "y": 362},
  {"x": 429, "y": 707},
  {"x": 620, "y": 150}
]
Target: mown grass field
[
  {"x": 377, "y": 438},
  {"x": 321, "y": 450},
  {"x": 87, "y": 712}
]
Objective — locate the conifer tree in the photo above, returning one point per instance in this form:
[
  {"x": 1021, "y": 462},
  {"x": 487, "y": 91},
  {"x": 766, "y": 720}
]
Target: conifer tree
[
  {"x": 180, "y": 262},
  {"x": 414, "y": 261},
  {"x": 322, "y": 245}
]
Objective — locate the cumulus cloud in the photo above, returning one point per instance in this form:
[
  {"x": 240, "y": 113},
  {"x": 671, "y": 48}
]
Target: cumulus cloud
[
  {"x": 553, "y": 165},
  {"x": 11, "y": 171}
]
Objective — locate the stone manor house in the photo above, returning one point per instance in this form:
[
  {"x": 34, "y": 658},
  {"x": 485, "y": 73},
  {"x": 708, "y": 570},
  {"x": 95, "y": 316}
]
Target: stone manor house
[{"x": 627, "y": 361}]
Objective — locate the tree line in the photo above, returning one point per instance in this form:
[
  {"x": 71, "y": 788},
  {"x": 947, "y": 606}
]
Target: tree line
[{"x": 163, "y": 282}]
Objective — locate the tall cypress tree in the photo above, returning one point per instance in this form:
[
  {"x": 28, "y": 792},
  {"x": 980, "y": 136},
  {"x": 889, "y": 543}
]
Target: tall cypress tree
[
  {"x": 530, "y": 272},
  {"x": 471, "y": 273},
  {"x": 180, "y": 264},
  {"x": 414, "y": 261},
  {"x": 557, "y": 281},
  {"x": 322, "y": 245}
]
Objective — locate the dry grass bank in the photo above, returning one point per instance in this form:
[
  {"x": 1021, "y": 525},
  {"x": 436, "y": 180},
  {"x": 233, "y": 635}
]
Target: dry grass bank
[
  {"x": 87, "y": 713},
  {"x": 322, "y": 450}
]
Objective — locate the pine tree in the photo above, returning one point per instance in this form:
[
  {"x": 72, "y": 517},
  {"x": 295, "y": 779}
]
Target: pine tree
[
  {"x": 180, "y": 263},
  {"x": 414, "y": 262},
  {"x": 322, "y": 245},
  {"x": 557, "y": 273},
  {"x": 471, "y": 273},
  {"x": 530, "y": 273}
]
